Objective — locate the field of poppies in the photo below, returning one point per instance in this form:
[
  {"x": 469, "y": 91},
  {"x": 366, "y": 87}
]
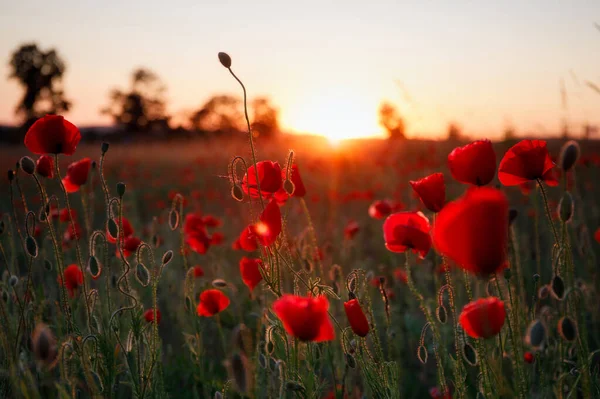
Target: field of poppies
[{"x": 235, "y": 268}]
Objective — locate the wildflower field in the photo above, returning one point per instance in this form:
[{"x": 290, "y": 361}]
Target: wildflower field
[{"x": 237, "y": 268}]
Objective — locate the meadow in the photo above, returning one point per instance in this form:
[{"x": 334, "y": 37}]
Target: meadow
[{"x": 170, "y": 272}]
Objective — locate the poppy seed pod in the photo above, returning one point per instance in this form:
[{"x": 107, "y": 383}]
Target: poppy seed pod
[
  {"x": 569, "y": 154},
  {"x": 27, "y": 165},
  {"x": 13, "y": 280},
  {"x": 567, "y": 329},
  {"x": 536, "y": 334},
  {"x": 566, "y": 207},
  {"x": 225, "y": 59},
  {"x": 104, "y": 148}
]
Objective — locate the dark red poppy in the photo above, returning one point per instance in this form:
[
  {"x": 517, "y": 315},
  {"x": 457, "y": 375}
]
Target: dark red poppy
[
  {"x": 431, "y": 190},
  {"x": 269, "y": 175},
  {"x": 73, "y": 279},
  {"x": 305, "y": 318},
  {"x": 299, "y": 189},
  {"x": 529, "y": 357},
  {"x": 351, "y": 230},
  {"x": 268, "y": 228},
  {"x": 198, "y": 271},
  {"x": 356, "y": 318},
  {"x": 380, "y": 209},
  {"x": 77, "y": 175},
  {"x": 127, "y": 231},
  {"x": 63, "y": 215},
  {"x": 72, "y": 234},
  {"x": 217, "y": 238},
  {"x": 483, "y": 318},
  {"x": 130, "y": 245},
  {"x": 474, "y": 163},
  {"x": 212, "y": 302},
  {"x": 45, "y": 166},
  {"x": 407, "y": 230},
  {"x": 473, "y": 231},
  {"x": 149, "y": 315},
  {"x": 597, "y": 235},
  {"x": 211, "y": 221},
  {"x": 250, "y": 271},
  {"x": 525, "y": 161},
  {"x": 52, "y": 134},
  {"x": 195, "y": 233}
]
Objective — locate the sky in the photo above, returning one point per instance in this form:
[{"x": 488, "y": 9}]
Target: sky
[{"x": 327, "y": 64}]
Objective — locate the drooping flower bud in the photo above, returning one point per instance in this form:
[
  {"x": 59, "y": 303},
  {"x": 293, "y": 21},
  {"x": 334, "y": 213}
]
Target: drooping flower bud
[
  {"x": 27, "y": 165},
  {"x": 569, "y": 154},
  {"x": 566, "y": 207},
  {"x": 225, "y": 59}
]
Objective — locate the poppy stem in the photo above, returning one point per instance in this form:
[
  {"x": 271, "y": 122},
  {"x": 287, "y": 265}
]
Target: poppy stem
[
  {"x": 313, "y": 236},
  {"x": 547, "y": 208}
]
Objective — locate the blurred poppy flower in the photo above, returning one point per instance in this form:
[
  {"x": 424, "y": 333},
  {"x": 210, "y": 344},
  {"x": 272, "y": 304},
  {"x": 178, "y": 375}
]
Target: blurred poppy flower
[
  {"x": 281, "y": 196},
  {"x": 436, "y": 393},
  {"x": 351, "y": 230},
  {"x": 400, "y": 275},
  {"x": 211, "y": 221},
  {"x": 72, "y": 234},
  {"x": 431, "y": 190},
  {"x": 198, "y": 271},
  {"x": 63, "y": 215},
  {"x": 250, "y": 271},
  {"x": 269, "y": 226},
  {"x": 473, "y": 231},
  {"x": 212, "y": 302},
  {"x": 269, "y": 175},
  {"x": 407, "y": 230},
  {"x": 45, "y": 166},
  {"x": 305, "y": 318},
  {"x": 597, "y": 235},
  {"x": 127, "y": 230},
  {"x": 248, "y": 240},
  {"x": 356, "y": 317},
  {"x": 52, "y": 134},
  {"x": 474, "y": 163},
  {"x": 528, "y": 357},
  {"x": 73, "y": 279},
  {"x": 217, "y": 238},
  {"x": 77, "y": 175},
  {"x": 380, "y": 209},
  {"x": 527, "y": 160},
  {"x": 149, "y": 315},
  {"x": 130, "y": 245},
  {"x": 195, "y": 233},
  {"x": 483, "y": 318},
  {"x": 299, "y": 189}
]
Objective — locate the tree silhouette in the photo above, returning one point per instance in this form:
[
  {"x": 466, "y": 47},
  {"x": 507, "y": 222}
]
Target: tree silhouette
[
  {"x": 40, "y": 73},
  {"x": 143, "y": 107},
  {"x": 454, "y": 132},
  {"x": 391, "y": 121},
  {"x": 265, "y": 118},
  {"x": 221, "y": 114}
]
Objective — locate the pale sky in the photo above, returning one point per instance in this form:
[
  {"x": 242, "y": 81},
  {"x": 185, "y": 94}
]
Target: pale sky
[{"x": 328, "y": 64}]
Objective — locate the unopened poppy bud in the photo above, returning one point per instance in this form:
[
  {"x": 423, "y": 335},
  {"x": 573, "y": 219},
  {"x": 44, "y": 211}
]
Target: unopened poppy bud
[
  {"x": 567, "y": 328},
  {"x": 558, "y": 288},
  {"x": 219, "y": 283},
  {"x": 262, "y": 361},
  {"x": 13, "y": 280},
  {"x": 173, "y": 219},
  {"x": 422, "y": 354},
  {"x": 536, "y": 278},
  {"x": 237, "y": 192},
  {"x": 27, "y": 165},
  {"x": 507, "y": 273},
  {"x": 293, "y": 386},
  {"x": 569, "y": 154},
  {"x": 47, "y": 265},
  {"x": 225, "y": 59},
  {"x": 142, "y": 275},
  {"x": 442, "y": 314},
  {"x": 94, "y": 267},
  {"x": 167, "y": 257},
  {"x": 536, "y": 334},
  {"x": 11, "y": 175},
  {"x": 469, "y": 354},
  {"x": 94, "y": 165},
  {"x": 289, "y": 187},
  {"x": 104, "y": 147},
  {"x": 566, "y": 207},
  {"x": 121, "y": 189},
  {"x": 31, "y": 246}
]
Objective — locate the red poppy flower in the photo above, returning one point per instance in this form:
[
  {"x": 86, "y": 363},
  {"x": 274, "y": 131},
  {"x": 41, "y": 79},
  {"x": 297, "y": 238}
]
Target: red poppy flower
[
  {"x": 63, "y": 215},
  {"x": 527, "y": 160},
  {"x": 195, "y": 233},
  {"x": 127, "y": 231},
  {"x": 211, "y": 221},
  {"x": 269, "y": 175},
  {"x": 483, "y": 318},
  {"x": 130, "y": 245},
  {"x": 474, "y": 163},
  {"x": 305, "y": 318},
  {"x": 528, "y": 357},
  {"x": 250, "y": 271},
  {"x": 473, "y": 231},
  {"x": 269, "y": 227},
  {"x": 356, "y": 318},
  {"x": 198, "y": 271},
  {"x": 52, "y": 134},
  {"x": 149, "y": 315},
  {"x": 72, "y": 234},
  {"x": 407, "y": 230},
  {"x": 77, "y": 175},
  {"x": 431, "y": 190},
  {"x": 248, "y": 240},
  {"x": 73, "y": 279},
  {"x": 212, "y": 302},
  {"x": 597, "y": 235},
  {"x": 217, "y": 238},
  {"x": 299, "y": 189},
  {"x": 45, "y": 166},
  {"x": 400, "y": 275},
  {"x": 351, "y": 230},
  {"x": 380, "y": 209}
]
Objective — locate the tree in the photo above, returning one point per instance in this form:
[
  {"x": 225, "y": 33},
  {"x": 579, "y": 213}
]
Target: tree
[
  {"x": 454, "y": 132},
  {"x": 265, "y": 118},
  {"x": 143, "y": 107},
  {"x": 391, "y": 121},
  {"x": 40, "y": 73},
  {"x": 219, "y": 115}
]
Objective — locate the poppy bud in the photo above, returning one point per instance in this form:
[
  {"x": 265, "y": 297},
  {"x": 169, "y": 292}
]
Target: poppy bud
[
  {"x": 536, "y": 278},
  {"x": 11, "y": 175},
  {"x": 293, "y": 386},
  {"x": 219, "y": 283},
  {"x": 557, "y": 288},
  {"x": 356, "y": 317},
  {"x": 569, "y": 154},
  {"x": 27, "y": 165},
  {"x": 237, "y": 192},
  {"x": 142, "y": 275},
  {"x": 167, "y": 257},
  {"x": 47, "y": 265},
  {"x": 507, "y": 273},
  {"x": 469, "y": 354},
  {"x": 121, "y": 189},
  {"x": 422, "y": 354},
  {"x": 13, "y": 280},
  {"x": 225, "y": 60},
  {"x": 173, "y": 219},
  {"x": 289, "y": 187},
  {"x": 566, "y": 207},
  {"x": 567, "y": 329},
  {"x": 442, "y": 314},
  {"x": 31, "y": 246},
  {"x": 94, "y": 267},
  {"x": 104, "y": 147},
  {"x": 350, "y": 361},
  {"x": 536, "y": 334},
  {"x": 262, "y": 361}
]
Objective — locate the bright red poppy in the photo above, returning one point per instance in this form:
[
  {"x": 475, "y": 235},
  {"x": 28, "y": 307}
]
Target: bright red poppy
[
  {"x": 52, "y": 134},
  {"x": 431, "y": 190},
  {"x": 473, "y": 231},
  {"x": 269, "y": 226},
  {"x": 211, "y": 221},
  {"x": 77, "y": 175},
  {"x": 269, "y": 175},
  {"x": 250, "y": 271},
  {"x": 198, "y": 271},
  {"x": 380, "y": 209},
  {"x": 528, "y": 357},
  {"x": 195, "y": 233},
  {"x": 212, "y": 302},
  {"x": 474, "y": 163},
  {"x": 130, "y": 245},
  {"x": 149, "y": 315},
  {"x": 45, "y": 166},
  {"x": 525, "y": 161},
  {"x": 127, "y": 230},
  {"x": 305, "y": 318},
  {"x": 351, "y": 230},
  {"x": 248, "y": 240},
  {"x": 73, "y": 279},
  {"x": 356, "y": 317},
  {"x": 483, "y": 318},
  {"x": 407, "y": 230}
]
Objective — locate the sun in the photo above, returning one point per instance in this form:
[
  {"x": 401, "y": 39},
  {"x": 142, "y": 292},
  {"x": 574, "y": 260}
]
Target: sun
[{"x": 335, "y": 115}]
